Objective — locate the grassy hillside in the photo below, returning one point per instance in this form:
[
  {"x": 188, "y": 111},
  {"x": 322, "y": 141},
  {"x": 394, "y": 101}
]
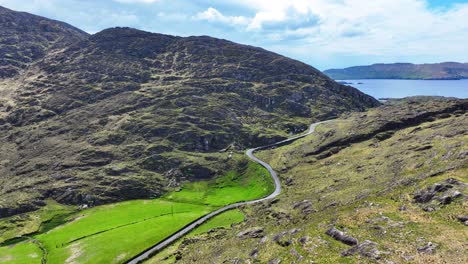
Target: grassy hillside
[{"x": 393, "y": 179}]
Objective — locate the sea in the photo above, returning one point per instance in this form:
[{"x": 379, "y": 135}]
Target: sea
[{"x": 383, "y": 88}]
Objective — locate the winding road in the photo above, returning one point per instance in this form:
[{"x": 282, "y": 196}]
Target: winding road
[{"x": 158, "y": 247}]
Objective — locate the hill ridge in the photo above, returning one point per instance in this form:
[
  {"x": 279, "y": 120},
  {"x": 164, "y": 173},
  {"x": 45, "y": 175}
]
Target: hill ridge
[{"x": 427, "y": 71}]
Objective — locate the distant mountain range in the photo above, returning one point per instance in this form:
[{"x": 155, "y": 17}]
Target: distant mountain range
[{"x": 437, "y": 71}]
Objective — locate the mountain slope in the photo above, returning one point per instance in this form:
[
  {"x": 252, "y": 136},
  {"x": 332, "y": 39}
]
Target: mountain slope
[
  {"x": 389, "y": 185},
  {"x": 121, "y": 114},
  {"x": 438, "y": 71}
]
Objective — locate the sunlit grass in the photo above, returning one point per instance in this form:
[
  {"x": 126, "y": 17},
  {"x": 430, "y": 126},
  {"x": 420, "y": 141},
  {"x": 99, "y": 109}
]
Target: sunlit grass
[{"x": 116, "y": 232}]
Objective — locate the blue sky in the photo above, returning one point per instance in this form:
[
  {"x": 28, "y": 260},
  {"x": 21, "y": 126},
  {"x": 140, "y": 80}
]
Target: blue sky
[{"x": 323, "y": 33}]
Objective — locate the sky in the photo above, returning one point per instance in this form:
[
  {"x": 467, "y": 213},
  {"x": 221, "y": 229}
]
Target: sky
[{"x": 323, "y": 33}]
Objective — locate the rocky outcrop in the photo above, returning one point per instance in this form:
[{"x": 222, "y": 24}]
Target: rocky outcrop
[
  {"x": 21, "y": 208},
  {"x": 440, "y": 194}
]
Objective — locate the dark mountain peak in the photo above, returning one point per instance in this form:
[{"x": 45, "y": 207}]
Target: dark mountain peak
[
  {"x": 25, "y": 38},
  {"x": 236, "y": 60},
  {"x": 22, "y": 21},
  {"x": 130, "y": 41},
  {"x": 4, "y": 9},
  {"x": 220, "y": 45},
  {"x": 125, "y": 32}
]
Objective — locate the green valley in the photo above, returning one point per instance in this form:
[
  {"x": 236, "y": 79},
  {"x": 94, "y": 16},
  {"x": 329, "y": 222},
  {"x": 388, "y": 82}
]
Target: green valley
[{"x": 114, "y": 233}]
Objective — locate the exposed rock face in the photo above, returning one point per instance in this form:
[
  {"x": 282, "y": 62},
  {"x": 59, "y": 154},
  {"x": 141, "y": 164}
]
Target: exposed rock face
[
  {"x": 104, "y": 114},
  {"x": 440, "y": 194}
]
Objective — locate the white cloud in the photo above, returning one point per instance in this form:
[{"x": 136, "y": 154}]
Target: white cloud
[
  {"x": 213, "y": 15},
  {"x": 377, "y": 27}
]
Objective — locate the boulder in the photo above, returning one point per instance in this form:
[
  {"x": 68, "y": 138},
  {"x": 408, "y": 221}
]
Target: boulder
[
  {"x": 303, "y": 240},
  {"x": 305, "y": 206},
  {"x": 254, "y": 253},
  {"x": 341, "y": 236},
  {"x": 296, "y": 254},
  {"x": 256, "y": 232},
  {"x": 274, "y": 261},
  {"x": 463, "y": 219},
  {"x": 282, "y": 239},
  {"x": 366, "y": 249},
  {"x": 428, "y": 249}
]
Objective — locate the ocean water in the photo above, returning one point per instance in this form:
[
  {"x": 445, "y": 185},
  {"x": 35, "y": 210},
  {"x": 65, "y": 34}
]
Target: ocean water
[{"x": 404, "y": 88}]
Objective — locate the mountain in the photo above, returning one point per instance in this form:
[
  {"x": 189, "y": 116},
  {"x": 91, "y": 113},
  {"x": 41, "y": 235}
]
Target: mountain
[
  {"x": 384, "y": 186},
  {"x": 126, "y": 114},
  {"x": 26, "y": 38},
  {"x": 438, "y": 71}
]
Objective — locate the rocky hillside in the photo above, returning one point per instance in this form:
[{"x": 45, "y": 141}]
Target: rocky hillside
[
  {"x": 386, "y": 186},
  {"x": 26, "y": 38},
  {"x": 438, "y": 71},
  {"x": 122, "y": 113}
]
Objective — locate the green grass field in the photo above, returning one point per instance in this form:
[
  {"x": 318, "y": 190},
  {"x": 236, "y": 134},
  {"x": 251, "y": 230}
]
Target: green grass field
[
  {"x": 233, "y": 187},
  {"x": 114, "y": 233},
  {"x": 23, "y": 252}
]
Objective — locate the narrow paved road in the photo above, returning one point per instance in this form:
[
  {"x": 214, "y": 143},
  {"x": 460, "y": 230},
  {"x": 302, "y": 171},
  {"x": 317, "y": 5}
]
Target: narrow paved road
[{"x": 158, "y": 247}]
